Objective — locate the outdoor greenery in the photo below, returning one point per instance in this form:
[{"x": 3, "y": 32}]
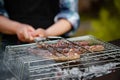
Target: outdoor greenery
[{"x": 107, "y": 25}]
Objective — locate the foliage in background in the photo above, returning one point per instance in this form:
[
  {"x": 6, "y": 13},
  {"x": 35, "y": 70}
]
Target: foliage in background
[{"x": 107, "y": 25}]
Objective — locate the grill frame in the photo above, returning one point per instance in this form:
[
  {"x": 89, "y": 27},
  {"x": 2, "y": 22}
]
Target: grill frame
[{"x": 23, "y": 67}]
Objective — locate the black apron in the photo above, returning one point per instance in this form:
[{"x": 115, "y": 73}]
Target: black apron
[{"x": 38, "y": 13}]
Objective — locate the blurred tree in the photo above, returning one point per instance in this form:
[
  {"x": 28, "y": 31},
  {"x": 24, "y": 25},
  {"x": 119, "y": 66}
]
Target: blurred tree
[
  {"x": 117, "y": 4},
  {"x": 106, "y": 26}
]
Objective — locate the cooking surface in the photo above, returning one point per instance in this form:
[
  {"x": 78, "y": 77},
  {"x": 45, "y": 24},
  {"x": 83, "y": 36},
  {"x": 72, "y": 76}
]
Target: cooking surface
[{"x": 101, "y": 78}]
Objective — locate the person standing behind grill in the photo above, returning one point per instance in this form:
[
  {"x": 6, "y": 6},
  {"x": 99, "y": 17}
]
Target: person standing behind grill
[{"x": 23, "y": 20}]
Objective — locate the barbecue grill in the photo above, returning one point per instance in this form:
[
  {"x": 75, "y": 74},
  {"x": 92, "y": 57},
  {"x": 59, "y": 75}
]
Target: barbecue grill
[{"x": 25, "y": 64}]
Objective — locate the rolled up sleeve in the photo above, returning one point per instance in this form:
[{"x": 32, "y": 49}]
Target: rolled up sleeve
[{"x": 69, "y": 11}]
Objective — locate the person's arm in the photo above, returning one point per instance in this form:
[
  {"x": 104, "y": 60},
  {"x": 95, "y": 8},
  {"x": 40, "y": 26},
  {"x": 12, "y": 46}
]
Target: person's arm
[
  {"x": 7, "y": 26},
  {"x": 60, "y": 27},
  {"x": 5, "y": 22},
  {"x": 23, "y": 31},
  {"x": 67, "y": 21}
]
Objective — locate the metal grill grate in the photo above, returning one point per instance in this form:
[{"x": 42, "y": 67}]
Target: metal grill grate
[{"x": 25, "y": 62}]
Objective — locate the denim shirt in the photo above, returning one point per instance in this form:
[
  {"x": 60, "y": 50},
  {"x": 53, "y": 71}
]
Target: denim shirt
[{"x": 68, "y": 11}]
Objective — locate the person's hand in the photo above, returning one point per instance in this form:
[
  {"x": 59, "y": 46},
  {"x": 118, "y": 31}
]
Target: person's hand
[
  {"x": 24, "y": 32},
  {"x": 39, "y": 33}
]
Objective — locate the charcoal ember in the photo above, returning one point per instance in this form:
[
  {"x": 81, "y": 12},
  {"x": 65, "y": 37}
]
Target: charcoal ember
[{"x": 75, "y": 71}]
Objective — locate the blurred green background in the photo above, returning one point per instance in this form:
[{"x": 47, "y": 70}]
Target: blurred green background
[{"x": 100, "y": 18}]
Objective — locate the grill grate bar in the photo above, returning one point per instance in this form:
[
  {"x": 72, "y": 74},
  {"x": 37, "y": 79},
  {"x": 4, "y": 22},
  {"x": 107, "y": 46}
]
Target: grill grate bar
[
  {"x": 110, "y": 68},
  {"x": 78, "y": 66},
  {"x": 89, "y": 64},
  {"x": 52, "y": 78},
  {"x": 78, "y": 45},
  {"x": 48, "y": 47},
  {"x": 82, "y": 65},
  {"x": 100, "y": 57},
  {"x": 73, "y": 43}
]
